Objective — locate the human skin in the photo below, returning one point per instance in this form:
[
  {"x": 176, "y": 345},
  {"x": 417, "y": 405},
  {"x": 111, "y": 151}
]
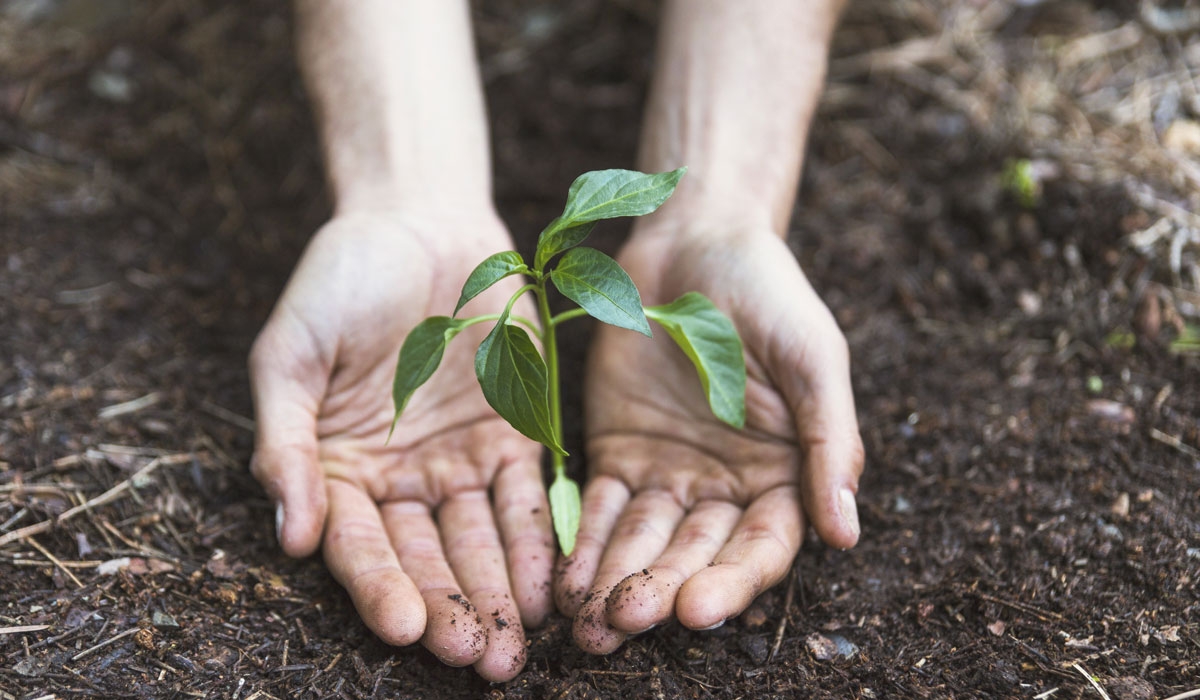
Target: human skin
[
  {"x": 454, "y": 503},
  {"x": 452, "y": 508},
  {"x": 684, "y": 517}
]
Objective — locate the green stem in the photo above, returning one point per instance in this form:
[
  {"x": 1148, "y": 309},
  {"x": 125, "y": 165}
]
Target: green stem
[
  {"x": 550, "y": 347},
  {"x": 528, "y": 323},
  {"x": 568, "y": 315}
]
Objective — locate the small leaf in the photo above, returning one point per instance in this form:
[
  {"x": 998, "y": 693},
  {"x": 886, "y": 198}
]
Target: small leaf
[
  {"x": 489, "y": 272},
  {"x": 513, "y": 376},
  {"x": 603, "y": 194},
  {"x": 711, "y": 342},
  {"x": 598, "y": 284},
  {"x": 420, "y": 356},
  {"x": 555, "y": 240},
  {"x": 564, "y": 511},
  {"x": 607, "y": 194}
]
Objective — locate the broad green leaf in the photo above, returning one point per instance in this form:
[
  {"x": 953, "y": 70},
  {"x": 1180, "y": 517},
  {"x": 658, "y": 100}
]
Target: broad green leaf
[
  {"x": 513, "y": 376},
  {"x": 556, "y": 238},
  {"x": 420, "y": 356},
  {"x": 607, "y": 194},
  {"x": 711, "y": 342},
  {"x": 603, "y": 194},
  {"x": 598, "y": 284},
  {"x": 489, "y": 272},
  {"x": 564, "y": 511}
]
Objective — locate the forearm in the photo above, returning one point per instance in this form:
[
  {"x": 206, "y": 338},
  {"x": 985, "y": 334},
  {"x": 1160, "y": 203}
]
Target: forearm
[
  {"x": 734, "y": 89},
  {"x": 397, "y": 95}
]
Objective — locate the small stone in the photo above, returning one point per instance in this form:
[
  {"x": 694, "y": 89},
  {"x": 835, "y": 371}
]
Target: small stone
[
  {"x": 754, "y": 617},
  {"x": 144, "y": 638},
  {"x": 829, "y": 647},
  {"x": 162, "y": 620},
  {"x": 902, "y": 505},
  {"x": 1120, "y": 507},
  {"x": 997, "y": 628}
]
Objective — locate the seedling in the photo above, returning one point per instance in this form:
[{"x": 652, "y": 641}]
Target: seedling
[{"x": 521, "y": 383}]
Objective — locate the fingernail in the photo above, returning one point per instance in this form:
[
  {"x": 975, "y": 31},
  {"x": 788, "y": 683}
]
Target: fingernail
[
  {"x": 279, "y": 522},
  {"x": 849, "y": 510},
  {"x": 712, "y": 627}
]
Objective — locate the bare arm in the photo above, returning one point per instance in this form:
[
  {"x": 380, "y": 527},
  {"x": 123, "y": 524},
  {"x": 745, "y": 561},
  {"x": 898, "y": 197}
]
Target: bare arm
[
  {"x": 735, "y": 87},
  {"x": 396, "y": 90}
]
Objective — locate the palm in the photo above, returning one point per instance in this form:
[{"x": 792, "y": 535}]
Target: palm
[
  {"x": 673, "y": 491},
  {"x": 406, "y": 524}
]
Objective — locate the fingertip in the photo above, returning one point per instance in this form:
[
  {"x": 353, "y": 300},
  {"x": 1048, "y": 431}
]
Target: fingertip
[
  {"x": 300, "y": 520},
  {"x": 713, "y": 596},
  {"x": 389, "y": 611},
  {"x": 831, "y": 484},
  {"x": 453, "y": 630},
  {"x": 591, "y": 629}
]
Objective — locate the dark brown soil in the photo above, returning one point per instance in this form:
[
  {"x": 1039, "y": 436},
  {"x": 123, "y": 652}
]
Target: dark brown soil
[{"x": 1031, "y": 418}]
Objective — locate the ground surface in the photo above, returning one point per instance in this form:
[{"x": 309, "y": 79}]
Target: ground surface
[{"x": 1028, "y": 398}]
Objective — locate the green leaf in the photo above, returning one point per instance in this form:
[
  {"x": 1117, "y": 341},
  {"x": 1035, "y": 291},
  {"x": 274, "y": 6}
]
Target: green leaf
[
  {"x": 565, "y": 510},
  {"x": 489, "y": 272},
  {"x": 513, "y": 376},
  {"x": 711, "y": 342},
  {"x": 555, "y": 240},
  {"x": 598, "y": 284},
  {"x": 607, "y": 194},
  {"x": 603, "y": 194},
  {"x": 420, "y": 356}
]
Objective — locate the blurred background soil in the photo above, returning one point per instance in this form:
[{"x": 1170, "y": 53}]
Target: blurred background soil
[{"x": 999, "y": 204}]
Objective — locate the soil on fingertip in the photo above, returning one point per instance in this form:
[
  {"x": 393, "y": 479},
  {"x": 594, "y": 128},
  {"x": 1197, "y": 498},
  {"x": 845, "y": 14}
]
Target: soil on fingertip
[{"x": 999, "y": 205}]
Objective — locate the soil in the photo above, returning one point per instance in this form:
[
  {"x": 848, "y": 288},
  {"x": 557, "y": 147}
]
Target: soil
[{"x": 1028, "y": 398}]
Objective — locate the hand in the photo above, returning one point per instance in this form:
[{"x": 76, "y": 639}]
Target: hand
[
  {"x": 683, "y": 516},
  {"x": 407, "y": 526}
]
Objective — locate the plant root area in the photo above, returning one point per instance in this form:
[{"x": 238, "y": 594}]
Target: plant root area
[{"x": 999, "y": 204}]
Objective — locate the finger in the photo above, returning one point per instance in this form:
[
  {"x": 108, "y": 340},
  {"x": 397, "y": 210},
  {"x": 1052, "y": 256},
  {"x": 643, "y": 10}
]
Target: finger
[
  {"x": 757, "y": 556},
  {"x": 833, "y": 452},
  {"x": 285, "y": 458},
  {"x": 453, "y": 632},
  {"x": 477, "y": 557},
  {"x": 603, "y": 500},
  {"x": 647, "y": 599},
  {"x": 523, "y": 514},
  {"x": 359, "y": 554},
  {"x": 640, "y": 536}
]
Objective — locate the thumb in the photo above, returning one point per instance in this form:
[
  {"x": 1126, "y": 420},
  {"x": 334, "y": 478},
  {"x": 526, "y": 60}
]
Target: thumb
[
  {"x": 819, "y": 392},
  {"x": 285, "y": 458}
]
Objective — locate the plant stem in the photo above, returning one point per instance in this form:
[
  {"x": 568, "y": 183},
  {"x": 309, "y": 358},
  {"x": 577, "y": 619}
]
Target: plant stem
[
  {"x": 528, "y": 323},
  {"x": 550, "y": 347},
  {"x": 568, "y": 315}
]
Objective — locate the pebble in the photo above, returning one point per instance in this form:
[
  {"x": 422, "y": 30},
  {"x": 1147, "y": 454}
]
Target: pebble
[{"x": 830, "y": 647}]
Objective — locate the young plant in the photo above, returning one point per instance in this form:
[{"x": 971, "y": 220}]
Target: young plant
[{"x": 520, "y": 383}]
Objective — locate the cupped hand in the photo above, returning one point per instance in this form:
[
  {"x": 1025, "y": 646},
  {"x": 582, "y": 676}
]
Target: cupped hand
[
  {"x": 442, "y": 534},
  {"x": 683, "y": 516}
]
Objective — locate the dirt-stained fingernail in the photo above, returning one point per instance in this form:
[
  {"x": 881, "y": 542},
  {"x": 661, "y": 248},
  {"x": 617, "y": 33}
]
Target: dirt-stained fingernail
[
  {"x": 849, "y": 510},
  {"x": 712, "y": 627},
  {"x": 279, "y": 523}
]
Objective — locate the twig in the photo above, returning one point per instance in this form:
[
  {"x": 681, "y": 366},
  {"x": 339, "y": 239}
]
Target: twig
[
  {"x": 787, "y": 606},
  {"x": 106, "y": 497},
  {"x": 105, "y": 643},
  {"x": 1043, "y": 615},
  {"x": 53, "y": 560},
  {"x": 227, "y": 415},
  {"x": 22, "y": 628},
  {"x": 1048, "y": 693},
  {"x": 1175, "y": 442},
  {"x": 1088, "y": 676},
  {"x": 1184, "y": 696},
  {"x": 133, "y": 406}
]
